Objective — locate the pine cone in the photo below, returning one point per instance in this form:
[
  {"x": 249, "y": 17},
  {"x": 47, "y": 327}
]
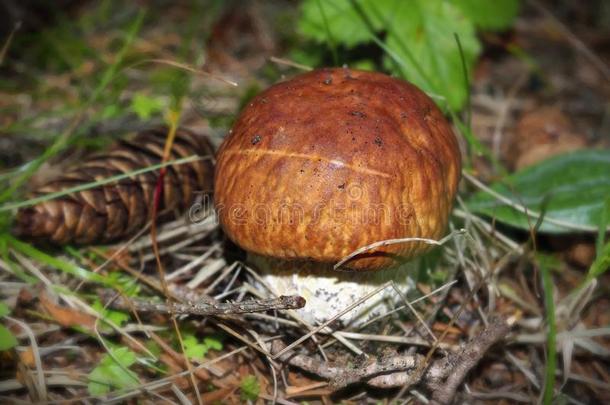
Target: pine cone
[{"x": 118, "y": 210}]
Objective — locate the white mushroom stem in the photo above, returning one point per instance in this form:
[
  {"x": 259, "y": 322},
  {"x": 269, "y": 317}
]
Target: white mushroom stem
[{"x": 328, "y": 292}]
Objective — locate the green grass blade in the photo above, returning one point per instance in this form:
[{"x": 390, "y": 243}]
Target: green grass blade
[
  {"x": 66, "y": 267},
  {"x": 83, "y": 187},
  {"x": 551, "y": 338},
  {"x": 603, "y": 225},
  {"x": 466, "y": 81}
]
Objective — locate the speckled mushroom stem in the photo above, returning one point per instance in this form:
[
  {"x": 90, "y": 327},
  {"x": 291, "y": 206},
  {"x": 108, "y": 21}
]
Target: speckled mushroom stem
[{"x": 328, "y": 291}]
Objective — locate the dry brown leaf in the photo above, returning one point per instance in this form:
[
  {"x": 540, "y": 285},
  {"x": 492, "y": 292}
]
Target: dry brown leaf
[
  {"x": 27, "y": 357},
  {"x": 541, "y": 134},
  {"x": 66, "y": 316},
  {"x": 217, "y": 395}
]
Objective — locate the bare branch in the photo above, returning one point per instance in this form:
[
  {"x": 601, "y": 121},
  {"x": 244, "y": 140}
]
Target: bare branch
[
  {"x": 442, "y": 376},
  {"x": 210, "y": 308}
]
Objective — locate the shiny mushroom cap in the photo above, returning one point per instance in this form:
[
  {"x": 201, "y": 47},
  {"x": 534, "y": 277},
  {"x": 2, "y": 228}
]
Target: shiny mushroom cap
[{"x": 335, "y": 159}]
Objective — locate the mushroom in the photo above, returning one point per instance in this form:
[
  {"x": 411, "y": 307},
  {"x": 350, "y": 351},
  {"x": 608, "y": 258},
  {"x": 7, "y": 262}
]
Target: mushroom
[{"x": 332, "y": 160}]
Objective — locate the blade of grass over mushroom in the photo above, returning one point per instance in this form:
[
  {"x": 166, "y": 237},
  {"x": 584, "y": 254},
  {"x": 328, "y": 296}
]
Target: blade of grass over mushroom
[
  {"x": 468, "y": 111},
  {"x": 575, "y": 185},
  {"x": 87, "y": 186},
  {"x": 397, "y": 242},
  {"x": 64, "y": 138}
]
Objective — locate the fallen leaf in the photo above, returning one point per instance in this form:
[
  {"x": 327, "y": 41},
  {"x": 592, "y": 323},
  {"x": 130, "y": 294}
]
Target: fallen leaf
[
  {"x": 66, "y": 316},
  {"x": 541, "y": 134}
]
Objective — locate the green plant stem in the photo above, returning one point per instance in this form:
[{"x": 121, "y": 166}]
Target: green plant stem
[{"x": 551, "y": 338}]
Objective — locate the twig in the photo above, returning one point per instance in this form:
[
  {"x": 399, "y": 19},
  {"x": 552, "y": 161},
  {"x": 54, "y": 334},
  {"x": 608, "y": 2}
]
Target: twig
[
  {"x": 374, "y": 372},
  {"x": 442, "y": 376},
  {"x": 462, "y": 362},
  {"x": 209, "y": 308}
]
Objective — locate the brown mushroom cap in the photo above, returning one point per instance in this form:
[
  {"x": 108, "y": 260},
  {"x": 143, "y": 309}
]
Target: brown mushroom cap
[{"x": 335, "y": 159}]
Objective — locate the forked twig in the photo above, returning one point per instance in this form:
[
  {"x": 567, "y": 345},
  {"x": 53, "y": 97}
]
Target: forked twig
[{"x": 442, "y": 376}]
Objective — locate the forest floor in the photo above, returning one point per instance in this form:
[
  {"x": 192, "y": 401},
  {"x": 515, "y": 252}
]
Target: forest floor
[{"x": 73, "y": 84}]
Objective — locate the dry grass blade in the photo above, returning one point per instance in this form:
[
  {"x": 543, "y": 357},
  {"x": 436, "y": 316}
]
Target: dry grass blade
[{"x": 387, "y": 242}]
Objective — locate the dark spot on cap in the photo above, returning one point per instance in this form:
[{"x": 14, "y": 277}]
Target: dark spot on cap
[
  {"x": 341, "y": 186},
  {"x": 378, "y": 141},
  {"x": 256, "y": 139},
  {"x": 357, "y": 114}
]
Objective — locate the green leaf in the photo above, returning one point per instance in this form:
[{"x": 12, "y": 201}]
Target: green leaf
[
  {"x": 344, "y": 24},
  {"x": 111, "y": 315},
  {"x": 146, "y": 106},
  {"x": 111, "y": 111},
  {"x": 113, "y": 374},
  {"x": 490, "y": 15},
  {"x": 193, "y": 348},
  {"x": 7, "y": 339},
  {"x": 551, "y": 338},
  {"x": 4, "y": 309},
  {"x": 420, "y": 42},
  {"x": 196, "y": 349},
  {"x": 213, "y": 342},
  {"x": 249, "y": 388},
  {"x": 422, "y": 36},
  {"x": 569, "y": 188},
  {"x": 65, "y": 266}
]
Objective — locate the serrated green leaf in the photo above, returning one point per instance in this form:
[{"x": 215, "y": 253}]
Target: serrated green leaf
[
  {"x": 490, "y": 15},
  {"x": 574, "y": 186},
  {"x": 250, "y": 388},
  {"x": 113, "y": 374},
  {"x": 145, "y": 106},
  {"x": 423, "y": 37},
  {"x": 193, "y": 348},
  {"x": 7, "y": 339},
  {"x": 197, "y": 349}
]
